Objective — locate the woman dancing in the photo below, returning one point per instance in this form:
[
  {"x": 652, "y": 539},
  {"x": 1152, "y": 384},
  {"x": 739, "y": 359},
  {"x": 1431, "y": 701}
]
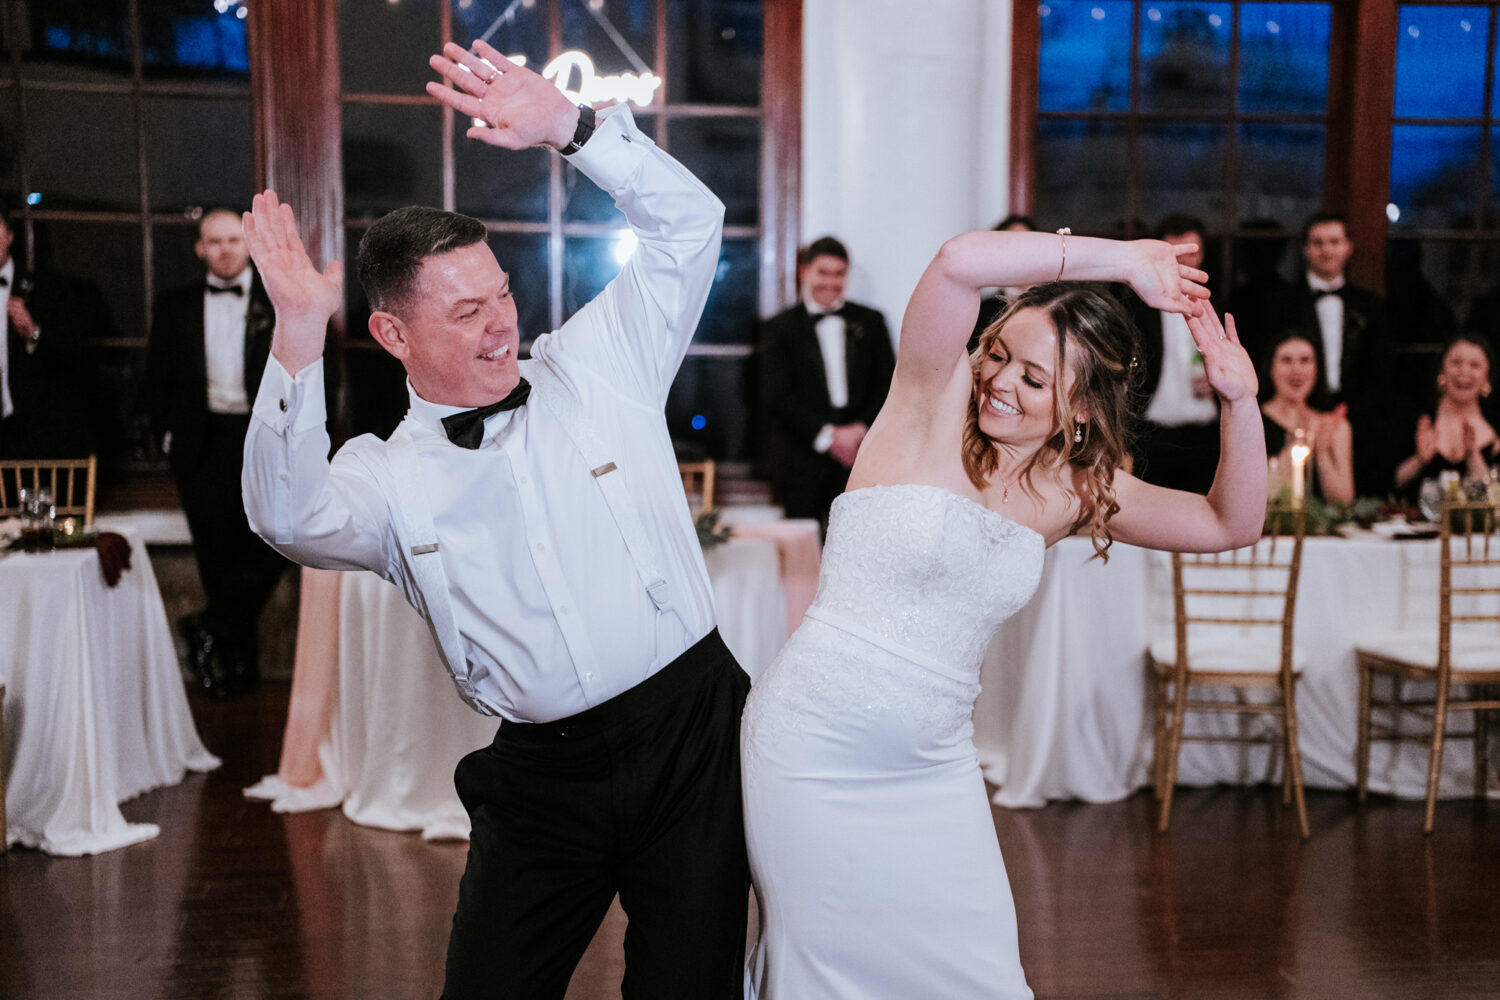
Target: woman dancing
[{"x": 871, "y": 840}]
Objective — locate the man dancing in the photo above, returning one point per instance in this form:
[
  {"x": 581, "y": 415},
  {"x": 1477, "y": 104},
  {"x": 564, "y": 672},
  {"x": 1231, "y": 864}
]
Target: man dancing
[{"x": 532, "y": 512}]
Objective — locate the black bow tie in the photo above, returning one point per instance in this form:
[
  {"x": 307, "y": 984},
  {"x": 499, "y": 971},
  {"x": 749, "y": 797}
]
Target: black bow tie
[
  {"x": 466, "y": 429},
  {"x": 4, "y": 281},
  {"x": 1323, "y": 293},
  {"x": 213, "y": 289}
]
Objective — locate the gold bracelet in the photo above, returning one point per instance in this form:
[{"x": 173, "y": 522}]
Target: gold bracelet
[{"x": 1064, "y": 232}]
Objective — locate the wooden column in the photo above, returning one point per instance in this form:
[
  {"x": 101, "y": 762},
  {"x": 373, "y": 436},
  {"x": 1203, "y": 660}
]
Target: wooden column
[
  {"x": 1360, "y": 96},
  {"x": 294, "y": 82},
  {"x": 781, "y": 154}
]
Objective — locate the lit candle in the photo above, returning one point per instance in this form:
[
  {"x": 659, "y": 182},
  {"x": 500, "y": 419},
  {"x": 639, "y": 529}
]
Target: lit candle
[{"x": 1300, "y": 450}]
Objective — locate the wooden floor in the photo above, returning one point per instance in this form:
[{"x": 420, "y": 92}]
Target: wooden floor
[{"x": 233, "y": 901}]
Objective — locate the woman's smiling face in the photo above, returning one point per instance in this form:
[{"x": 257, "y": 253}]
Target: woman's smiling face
[{"x": 1018, "y": 381}]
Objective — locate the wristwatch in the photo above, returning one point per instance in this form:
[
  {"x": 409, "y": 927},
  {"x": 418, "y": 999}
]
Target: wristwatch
[{"x": 586, "y": 122}]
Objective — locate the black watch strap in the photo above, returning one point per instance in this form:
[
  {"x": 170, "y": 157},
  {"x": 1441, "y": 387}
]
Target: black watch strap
[{"x": 586, "y": 123}]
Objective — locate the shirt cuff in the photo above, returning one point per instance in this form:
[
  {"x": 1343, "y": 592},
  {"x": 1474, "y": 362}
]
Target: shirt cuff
[
  {"x": 824, "y": 440},
  {"x": 615, "y": 150},
  {"x": 284, "y": 400}
]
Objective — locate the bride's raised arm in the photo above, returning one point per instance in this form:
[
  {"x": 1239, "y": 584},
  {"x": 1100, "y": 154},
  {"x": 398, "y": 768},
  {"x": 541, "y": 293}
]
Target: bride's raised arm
[{"x": 940, "y": 316}]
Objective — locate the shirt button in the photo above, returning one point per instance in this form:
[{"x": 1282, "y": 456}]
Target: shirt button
[
  {"x": 564, "y": 610},
  {"x": 283, "y": 406},
  {"x": 523, "y": 480},
  {"x": 541, "y": 547},
  {"x": 283, "y": 477}
]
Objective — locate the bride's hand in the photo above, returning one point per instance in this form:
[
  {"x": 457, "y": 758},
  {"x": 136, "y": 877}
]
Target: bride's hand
[
  {"x": 1225, "y": 361},
  {"x": 1162, "y": 280}
]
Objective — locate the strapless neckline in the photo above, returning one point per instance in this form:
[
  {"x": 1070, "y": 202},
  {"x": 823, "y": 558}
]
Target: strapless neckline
[{"x": 943, "y": 491}]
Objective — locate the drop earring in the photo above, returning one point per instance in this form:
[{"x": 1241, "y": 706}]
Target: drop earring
[{"x": 1078, "y": 432}]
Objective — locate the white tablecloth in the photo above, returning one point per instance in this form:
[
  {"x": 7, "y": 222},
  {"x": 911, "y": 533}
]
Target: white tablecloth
[
  {"x": 95, "y": 708},
  {"x": 1065, "y": 710},
  {"x": 399, "y": 729}
]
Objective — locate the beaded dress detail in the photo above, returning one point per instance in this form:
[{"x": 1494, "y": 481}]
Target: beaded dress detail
[{"x": 869, "y": 830}]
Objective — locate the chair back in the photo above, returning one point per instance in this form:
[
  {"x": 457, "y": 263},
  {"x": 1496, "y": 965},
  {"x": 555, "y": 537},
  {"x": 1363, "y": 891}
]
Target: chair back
[
  {"x": 70, "y": 480},
  {"x": 698, "y": 483},
  {"x": 1243, "y": 595},
  {"x": 1469, "y": 575}
]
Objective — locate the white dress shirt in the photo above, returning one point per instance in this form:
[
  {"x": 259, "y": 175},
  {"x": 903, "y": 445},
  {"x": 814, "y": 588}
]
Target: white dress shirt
[
  {"x": 829, "y": 329},
  {"x": 1330, "y": 310},
  {"x": 1173, "y": 404},
  {"x": 224, "y": 343},
  {"x": 8, "y": 272},
  {"x": 552, "y": 615}
]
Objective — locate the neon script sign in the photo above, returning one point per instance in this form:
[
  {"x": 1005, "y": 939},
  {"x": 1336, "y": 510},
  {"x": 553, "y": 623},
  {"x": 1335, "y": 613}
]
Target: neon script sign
[{"x": 593, "y": 87}]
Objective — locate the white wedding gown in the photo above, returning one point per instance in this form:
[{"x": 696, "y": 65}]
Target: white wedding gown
[{"x": 870, "y": 835}]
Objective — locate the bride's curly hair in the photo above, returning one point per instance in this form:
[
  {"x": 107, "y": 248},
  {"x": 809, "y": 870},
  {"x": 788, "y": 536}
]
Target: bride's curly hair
[{"x": 1095, "y": 336}]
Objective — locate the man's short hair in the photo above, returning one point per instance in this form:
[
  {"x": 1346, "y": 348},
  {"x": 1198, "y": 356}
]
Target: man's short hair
[
  {"x": 212, "y": 210},
  {"x": 1318, "y": 218},
  {"x": 1014, "y": 219},
  {"x": 823, "y": 246},
  {"x": 1178, "y": 224},
  {"x": 393, "y": 250}
]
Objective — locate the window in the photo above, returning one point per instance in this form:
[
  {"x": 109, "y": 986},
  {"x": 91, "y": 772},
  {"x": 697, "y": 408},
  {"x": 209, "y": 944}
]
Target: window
[
  {"x": 1252, "y": 115},
  {"x": 105, "y": 109},
  {"x": 1217, "y": 109},
  {"x": 558, "y": 235},
  {"x": 1444, "y": 204}
]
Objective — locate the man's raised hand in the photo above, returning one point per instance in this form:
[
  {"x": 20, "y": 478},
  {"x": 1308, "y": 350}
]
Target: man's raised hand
[
  {"x": 303, "y": 297},
  {"x": 519, "y": 108}
]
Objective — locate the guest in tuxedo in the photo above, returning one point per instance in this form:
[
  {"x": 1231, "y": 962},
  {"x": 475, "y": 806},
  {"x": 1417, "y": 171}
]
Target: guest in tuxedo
[
  {"x": 1346, "y": 325},
  {"x": 51, "y": 405},
  {"x": 532, "y": 512},
  {"x": 993, "y": 304},
  {"x": 1178, "y": 445},
  {"x": 826, "y": 366},
  {"x": 209, "y": 344}
]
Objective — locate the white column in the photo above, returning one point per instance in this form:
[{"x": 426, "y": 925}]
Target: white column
[{"x": 905, "y": 132}]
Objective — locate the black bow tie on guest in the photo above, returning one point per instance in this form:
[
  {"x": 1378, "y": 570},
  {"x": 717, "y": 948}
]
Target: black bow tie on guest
[
  {"x": 466, "y": 429},
  {"x": 213, "y": 289},
  {"x": 820, "y": 313}
]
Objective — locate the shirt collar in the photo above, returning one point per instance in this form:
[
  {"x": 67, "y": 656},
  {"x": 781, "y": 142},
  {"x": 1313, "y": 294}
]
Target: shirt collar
[
  {"x": 430, "y": 415},
  {"x": 8, "y": 272},
  {"x": 815, "y": 310},
  {"x": 1318, "y": 284},
  {"x": 242, "y": 280}
]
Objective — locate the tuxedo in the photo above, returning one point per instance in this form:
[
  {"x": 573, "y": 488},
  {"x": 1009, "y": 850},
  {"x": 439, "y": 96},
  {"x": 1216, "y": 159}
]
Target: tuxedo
[
  {"x": 57, "y": 401},
  {"x": 238, "y": 570},
  {"x": 1365, "y": 380},
  {"x": 1180, "y": 456},
  {"x": 795, "y": 400}
]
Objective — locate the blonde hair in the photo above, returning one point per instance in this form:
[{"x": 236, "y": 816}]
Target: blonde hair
[{"x": 1097, "y": 338}]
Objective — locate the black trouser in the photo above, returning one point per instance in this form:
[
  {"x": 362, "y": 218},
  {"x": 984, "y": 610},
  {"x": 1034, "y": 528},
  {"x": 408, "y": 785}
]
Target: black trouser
[
  {"x": 639, "y": 796},
  {"x": 237, "y": 568}
]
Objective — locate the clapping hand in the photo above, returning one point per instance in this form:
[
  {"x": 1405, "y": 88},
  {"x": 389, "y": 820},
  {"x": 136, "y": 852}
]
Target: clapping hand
[
  {"x": 1426, "y": 439},
  {"x": 1225, "y": 361},
  {"x": 518, "y": 107},
  {"x": 1163, "y": 281}
]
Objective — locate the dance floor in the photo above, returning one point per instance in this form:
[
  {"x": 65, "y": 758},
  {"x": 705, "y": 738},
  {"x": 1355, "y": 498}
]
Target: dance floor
[{"x": 234, "y": 901}]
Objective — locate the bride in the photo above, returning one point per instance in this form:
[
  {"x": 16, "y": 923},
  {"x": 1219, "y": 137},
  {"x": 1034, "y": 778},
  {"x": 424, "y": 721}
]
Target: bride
[{"x": 871, "y": 839}]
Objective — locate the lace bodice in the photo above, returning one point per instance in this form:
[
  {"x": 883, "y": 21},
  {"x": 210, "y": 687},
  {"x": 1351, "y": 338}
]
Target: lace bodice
[{"x": 927, "y": 571}]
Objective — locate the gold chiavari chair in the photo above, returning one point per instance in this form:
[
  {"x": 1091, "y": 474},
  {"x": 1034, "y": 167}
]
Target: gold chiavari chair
[
  {"x": 1435, "y": 672},
  {"x": 70, "y": 480},
  {"x": 698, "y": 483},
  {"x": 1233, "y": 625}
]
